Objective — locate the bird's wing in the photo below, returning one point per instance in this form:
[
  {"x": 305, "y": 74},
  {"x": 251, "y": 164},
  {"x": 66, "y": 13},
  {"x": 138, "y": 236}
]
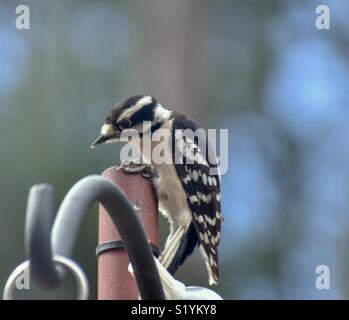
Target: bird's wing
[{"x": 202, "y": 189}]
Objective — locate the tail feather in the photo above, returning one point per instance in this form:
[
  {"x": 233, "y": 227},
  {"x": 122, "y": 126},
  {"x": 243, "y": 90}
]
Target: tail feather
[
  {"x": 186, "y": 248},
  {"x": 175, "y": 253},
  {"x": 212, "y": 269}
]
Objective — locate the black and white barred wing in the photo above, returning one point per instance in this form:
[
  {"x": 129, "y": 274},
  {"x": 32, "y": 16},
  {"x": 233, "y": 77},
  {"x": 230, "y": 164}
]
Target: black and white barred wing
[{"x": 194, "y": 168}]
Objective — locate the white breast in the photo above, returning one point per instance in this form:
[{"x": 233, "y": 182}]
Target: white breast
[
  {"x": 171, "y": 196},
  {"x": 170, "y": 192}
]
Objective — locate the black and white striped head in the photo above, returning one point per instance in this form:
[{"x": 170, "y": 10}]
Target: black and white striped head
[{"x": 130, "y": 113}]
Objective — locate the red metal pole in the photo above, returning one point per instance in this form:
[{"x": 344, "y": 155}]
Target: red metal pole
[{"x": 114, "y": 280}]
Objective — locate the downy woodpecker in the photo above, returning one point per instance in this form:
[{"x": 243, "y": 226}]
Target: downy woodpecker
[{"x": 187, "y": 190}]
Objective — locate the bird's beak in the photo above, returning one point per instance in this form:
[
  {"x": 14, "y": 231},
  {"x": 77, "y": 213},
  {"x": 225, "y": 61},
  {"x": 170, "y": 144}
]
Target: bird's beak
[
  {"x": 101, "y": 139},
  {"x": 107, "y": 133}
]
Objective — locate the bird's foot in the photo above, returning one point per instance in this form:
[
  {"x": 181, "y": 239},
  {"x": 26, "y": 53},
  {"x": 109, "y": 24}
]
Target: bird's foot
[
  {"x": 134, "y": 166},
  {"x": 149, "y": 173}
]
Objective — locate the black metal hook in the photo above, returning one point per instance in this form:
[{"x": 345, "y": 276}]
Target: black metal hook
[
  {"x": 41, "y": 244},
  {"x": 38, "y": 223}
]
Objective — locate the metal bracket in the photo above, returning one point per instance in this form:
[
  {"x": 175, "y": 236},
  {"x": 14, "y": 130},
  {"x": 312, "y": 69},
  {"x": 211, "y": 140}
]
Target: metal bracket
[{"x": 42, "y": 243}]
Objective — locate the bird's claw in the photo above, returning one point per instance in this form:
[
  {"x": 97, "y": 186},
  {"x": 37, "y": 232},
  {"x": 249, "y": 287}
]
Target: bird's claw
[
  {"x": 134, "y": 166},
  {"x": 149, "y": 173}
]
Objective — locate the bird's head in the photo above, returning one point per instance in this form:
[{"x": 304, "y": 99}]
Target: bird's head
[{"x": 130, "y": 113}]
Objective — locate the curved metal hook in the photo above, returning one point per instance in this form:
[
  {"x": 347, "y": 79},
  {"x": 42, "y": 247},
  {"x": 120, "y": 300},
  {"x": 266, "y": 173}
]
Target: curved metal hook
[
  {"x": 67, "y": 224},
  {"x": 68, "y": 264},
  {"x": 38, "y": 223}
]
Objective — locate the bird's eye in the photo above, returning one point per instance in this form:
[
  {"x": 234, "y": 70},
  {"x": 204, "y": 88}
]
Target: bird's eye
[{"x": 124, "y": 124}]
